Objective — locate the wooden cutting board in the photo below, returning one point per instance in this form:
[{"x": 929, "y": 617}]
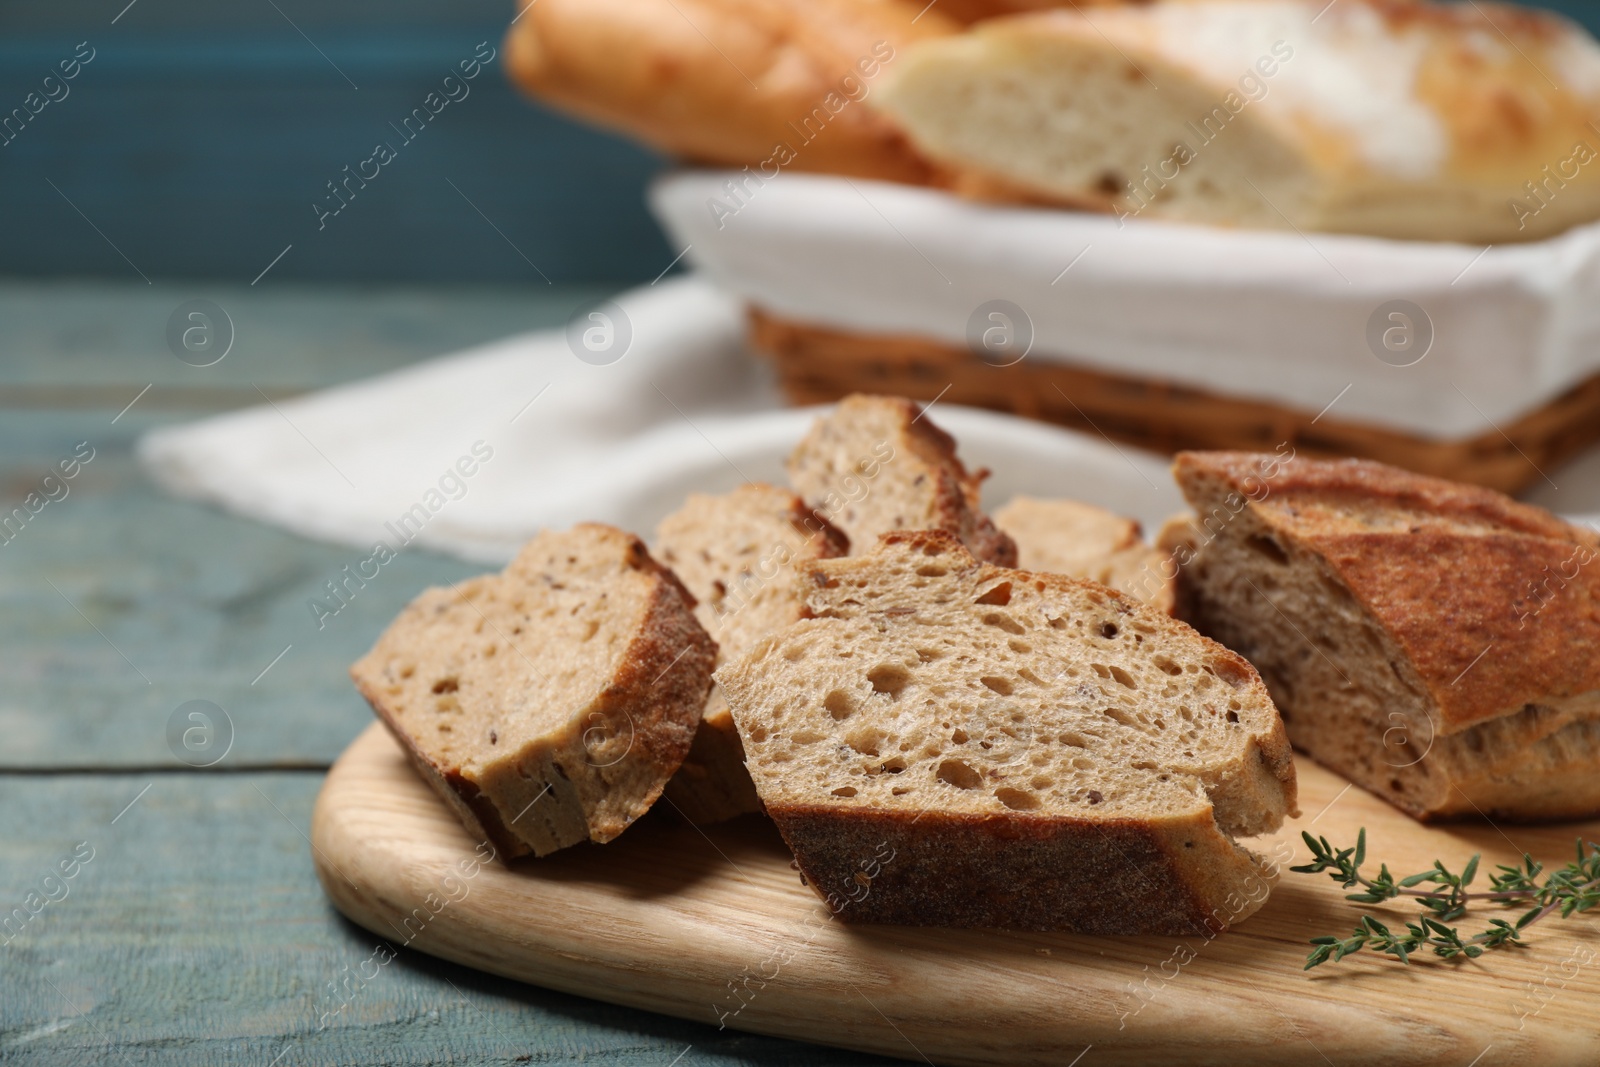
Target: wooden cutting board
[{"x": 714, "y": 925}]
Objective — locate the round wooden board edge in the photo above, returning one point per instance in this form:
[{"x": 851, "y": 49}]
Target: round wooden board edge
[{"x": 379, "y": 879}]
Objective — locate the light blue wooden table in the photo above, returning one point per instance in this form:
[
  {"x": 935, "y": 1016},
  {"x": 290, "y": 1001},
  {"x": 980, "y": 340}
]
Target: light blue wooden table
[{"x": 196, "y": 932}]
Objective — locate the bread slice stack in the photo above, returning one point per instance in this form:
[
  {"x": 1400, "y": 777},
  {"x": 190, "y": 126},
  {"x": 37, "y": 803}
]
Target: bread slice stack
[
  {"x": 745, "y": 556},
  {"x": 1436, "y": 643},
  {"x": 947, "y": 742},
  {"x": 1420, "y": 121},
  {"x": 1071, "y": 537},
  {"x": 548, "y": 704},
  {"x": 874, "y": 464}
]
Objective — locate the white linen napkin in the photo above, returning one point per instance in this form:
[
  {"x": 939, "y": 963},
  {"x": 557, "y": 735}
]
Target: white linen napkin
[
  {"x": 1305, "y": 320},
  {"x": 473, "y": 453}
]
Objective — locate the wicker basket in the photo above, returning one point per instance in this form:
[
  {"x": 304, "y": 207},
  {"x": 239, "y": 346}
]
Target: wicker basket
[{"x": 816, "y": 364}]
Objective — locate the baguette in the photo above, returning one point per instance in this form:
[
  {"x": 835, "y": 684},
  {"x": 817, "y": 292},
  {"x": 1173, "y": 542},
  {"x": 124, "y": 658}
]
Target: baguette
[
  {"x": 950, "y": 743},
  {"x": 969, "y": 11},
  {"x": 1411, "y": 120},
  {"x": 874, "y": 464},
  {"x": 763, "y": 84},
  {"x": 548, "y": 704},
  {"x": 743, "y": 556},
  {"x": 1070, "y": 537},
  {"x": 1437, "y": 644}
]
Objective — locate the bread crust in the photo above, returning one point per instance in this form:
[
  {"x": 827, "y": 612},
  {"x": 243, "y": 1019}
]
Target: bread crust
[
  {"x": 712, "y": 784},
  {"x": 937, "y": 449},
  {"x": 970, "y": 11},
  {"x": 729, "y": 81},
  {"x": 952, "y": 493},
  {"x": 604, "y": 765},
  {"x": 1178, "y": 872},
  {"x": 1451, "y": 582},
  {"x": 1128, "y": 876},
  {"x": 1489, "y": 615}
]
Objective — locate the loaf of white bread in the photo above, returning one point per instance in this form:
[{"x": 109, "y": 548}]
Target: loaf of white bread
[{"x": 1426, "y": 121}]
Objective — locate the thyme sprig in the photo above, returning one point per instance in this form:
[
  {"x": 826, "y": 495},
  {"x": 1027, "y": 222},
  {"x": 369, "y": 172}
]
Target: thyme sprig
[{"x": 1444, "y": 897}]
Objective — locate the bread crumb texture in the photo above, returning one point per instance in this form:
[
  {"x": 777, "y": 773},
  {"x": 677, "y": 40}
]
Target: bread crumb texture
[
  {"x": 1035, "y": 750},
  {"x": 874, "y": 464},
  {"x": 1432, "y": 642},
  {"x": 744, "y": 555},
  {"x": 1071, "y": 537},
  {"x": 550, "y": 703}
]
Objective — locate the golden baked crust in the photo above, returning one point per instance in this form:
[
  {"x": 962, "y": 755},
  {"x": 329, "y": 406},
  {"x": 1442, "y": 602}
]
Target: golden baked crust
[
  {"x": 1451, "y": 570},
  {"x": 978, "y": 10},
  {"x": 768, "y": 84},
  {"x": 1438, "y": 644},
  {"x": 548, "y": 704}
]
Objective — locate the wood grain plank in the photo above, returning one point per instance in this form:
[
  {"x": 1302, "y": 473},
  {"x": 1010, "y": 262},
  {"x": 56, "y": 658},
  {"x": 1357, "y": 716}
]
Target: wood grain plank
[
  {"x": 197, "y": 935},
  {"x": 715, "y": 926},
  {"x": 111, "y": 337},
  {"x": 118, "y": 605}
]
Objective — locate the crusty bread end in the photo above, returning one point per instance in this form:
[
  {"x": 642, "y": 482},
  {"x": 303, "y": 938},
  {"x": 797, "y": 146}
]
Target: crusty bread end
[{"x": 548, "y": 704}]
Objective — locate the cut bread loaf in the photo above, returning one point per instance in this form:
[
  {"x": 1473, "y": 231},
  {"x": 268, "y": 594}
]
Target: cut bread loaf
[
  {"x": 1438, "y": 644},
  {"x": 767, "y": 84},
  {"x": 877, "y": 463},
  {"x": 1424, "y": 121},
  {"x": 947, "y": 742},
  {"x": 744, "y": 555},
  {"x": 548, "y": 704},
  {"x": 1070, "y": 537}
]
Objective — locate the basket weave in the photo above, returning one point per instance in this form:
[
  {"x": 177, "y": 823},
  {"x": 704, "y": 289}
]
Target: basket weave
[{"x": 817, "y": 364}]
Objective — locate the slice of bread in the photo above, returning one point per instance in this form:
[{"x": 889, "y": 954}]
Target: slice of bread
[
  {"x": 743, "y": 555},
  {"x": 1070, "y": 537},
  {"x": 1362, "y": 116},
  {"x": 951, "y": 743},
  {"x": 1435, "y": 643},
  {"x": 548, "y": 704},
  {"x": 877, "y": 463}
]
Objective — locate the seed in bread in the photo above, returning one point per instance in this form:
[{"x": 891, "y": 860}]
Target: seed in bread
[
  {"x": 1071, "y": 537},
  {"x": 1438, "y": 644},
  {"x": 1412, "y": 120},
  {"x": 744, "y": 556},
  {"x": 877, "y": 463},
  {"x": 548, "y": 704},
  {"x": 947, "y": 742}
]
